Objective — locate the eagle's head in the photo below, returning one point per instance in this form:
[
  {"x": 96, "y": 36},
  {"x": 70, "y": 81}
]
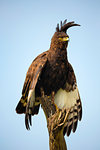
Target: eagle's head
[{"x": 60, "y": 38}]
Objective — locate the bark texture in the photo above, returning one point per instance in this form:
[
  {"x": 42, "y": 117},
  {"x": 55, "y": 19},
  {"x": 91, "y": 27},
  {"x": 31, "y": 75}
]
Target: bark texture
[{"x": 56, "y": 120}]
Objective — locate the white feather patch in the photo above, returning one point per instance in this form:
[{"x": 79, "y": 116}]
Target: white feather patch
[
  {"x": 64, "y": 99},
  {"x": 31, "y": 97}
]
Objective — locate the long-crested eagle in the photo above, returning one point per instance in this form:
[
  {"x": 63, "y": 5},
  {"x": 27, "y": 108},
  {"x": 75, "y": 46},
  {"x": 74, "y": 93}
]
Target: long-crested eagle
[{"x": 52, "y": 72}]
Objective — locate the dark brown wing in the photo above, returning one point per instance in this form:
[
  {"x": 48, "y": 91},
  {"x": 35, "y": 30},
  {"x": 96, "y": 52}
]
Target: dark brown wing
[
  {"x": 76, "y": 106},
  {"x": 69, "y": 98},
  {"x": 31, "y": 80}
]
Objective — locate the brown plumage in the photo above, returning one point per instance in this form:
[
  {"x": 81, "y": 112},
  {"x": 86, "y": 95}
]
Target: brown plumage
[{"x": 52, "y": 72}]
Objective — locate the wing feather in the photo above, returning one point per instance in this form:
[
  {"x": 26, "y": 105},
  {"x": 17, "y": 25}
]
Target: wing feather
[
  {"x": 76, "y": 109},
  {"x": 30, "y": 81},
  {"x": 71, "y": 100}
]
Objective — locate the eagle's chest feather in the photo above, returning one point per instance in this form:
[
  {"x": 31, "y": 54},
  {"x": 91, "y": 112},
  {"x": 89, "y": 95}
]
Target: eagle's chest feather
[{"x": 53, "y": 77}]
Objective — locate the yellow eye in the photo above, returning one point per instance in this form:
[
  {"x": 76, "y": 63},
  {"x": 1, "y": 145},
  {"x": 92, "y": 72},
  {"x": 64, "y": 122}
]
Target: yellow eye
[{"x": 64, "y": 39}]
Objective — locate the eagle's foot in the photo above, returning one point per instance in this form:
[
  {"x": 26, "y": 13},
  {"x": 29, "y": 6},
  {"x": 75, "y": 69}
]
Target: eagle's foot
[
  {"x": 57, "y": 121},
  {"x": 63, "y": 116}
]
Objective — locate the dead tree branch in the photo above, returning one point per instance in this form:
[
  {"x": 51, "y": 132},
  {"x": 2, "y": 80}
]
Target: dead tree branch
[{"x": 56, "y": 119}]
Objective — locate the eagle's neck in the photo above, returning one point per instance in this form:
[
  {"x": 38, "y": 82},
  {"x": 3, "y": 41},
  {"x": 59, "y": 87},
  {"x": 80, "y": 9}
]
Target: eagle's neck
[{"x": 58, "y": 54}]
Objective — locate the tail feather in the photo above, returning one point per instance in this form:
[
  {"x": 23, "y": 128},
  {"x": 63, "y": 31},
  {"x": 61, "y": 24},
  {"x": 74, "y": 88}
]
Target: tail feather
[{"x": 74, "y": 115}]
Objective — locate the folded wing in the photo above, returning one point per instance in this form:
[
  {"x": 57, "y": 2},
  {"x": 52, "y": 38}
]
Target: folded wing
[
  {"x": 69, "y": 98},
  {"x": 27, "y": 102}
]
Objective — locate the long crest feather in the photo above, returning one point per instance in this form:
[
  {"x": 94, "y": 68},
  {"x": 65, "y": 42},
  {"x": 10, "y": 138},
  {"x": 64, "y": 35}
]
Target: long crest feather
[
  {"x": 64, "y": 26},
  {"x": 57, "y": 28}
]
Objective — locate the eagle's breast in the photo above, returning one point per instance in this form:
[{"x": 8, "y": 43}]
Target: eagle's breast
[{"x": 52, "y": 78}]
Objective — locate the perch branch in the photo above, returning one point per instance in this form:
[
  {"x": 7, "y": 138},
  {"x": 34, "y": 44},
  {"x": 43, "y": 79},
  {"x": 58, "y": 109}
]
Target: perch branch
[{"x": 56, "y": 120}]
